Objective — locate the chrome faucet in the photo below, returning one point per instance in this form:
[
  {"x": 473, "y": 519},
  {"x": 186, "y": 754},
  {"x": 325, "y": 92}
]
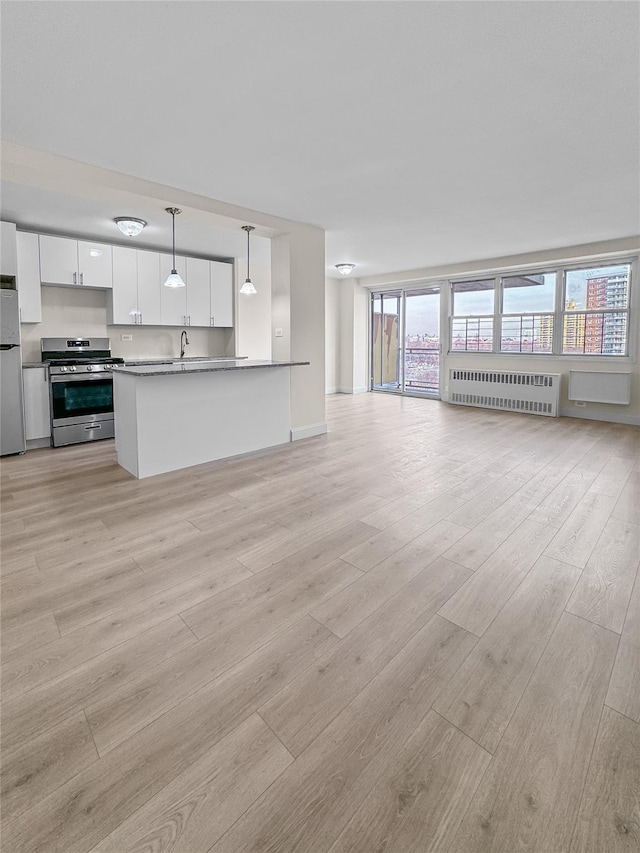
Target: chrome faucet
[{"x": 184, "y": 342}]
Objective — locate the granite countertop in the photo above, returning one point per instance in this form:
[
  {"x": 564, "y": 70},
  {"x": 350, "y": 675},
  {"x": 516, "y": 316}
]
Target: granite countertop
[
  {"x": 207, "y": 366},
  {"x": 166, "y": 360},
  {"x": 134, "y": 362}
]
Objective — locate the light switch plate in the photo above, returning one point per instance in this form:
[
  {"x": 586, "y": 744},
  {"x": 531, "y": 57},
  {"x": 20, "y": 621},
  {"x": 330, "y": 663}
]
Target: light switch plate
[
  {"x": 279, "y": 333},
  {"x": 126, "y": 337}
]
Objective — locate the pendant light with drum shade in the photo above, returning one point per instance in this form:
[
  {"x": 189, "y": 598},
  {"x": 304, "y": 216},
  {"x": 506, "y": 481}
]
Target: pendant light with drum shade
[
  {"x": 248, "y": 288},
  {"x": 174, "y": 279}
]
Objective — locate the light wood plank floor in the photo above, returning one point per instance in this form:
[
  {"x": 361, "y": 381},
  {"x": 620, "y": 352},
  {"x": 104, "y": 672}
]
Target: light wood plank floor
[{"x": 416, "y": 633}]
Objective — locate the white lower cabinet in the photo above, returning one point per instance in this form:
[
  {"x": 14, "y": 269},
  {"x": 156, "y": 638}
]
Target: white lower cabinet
[
  {"x": 37, "y": 419},
  {"x": 221, "y": 294},
  {"x": 29, "y": 292}
]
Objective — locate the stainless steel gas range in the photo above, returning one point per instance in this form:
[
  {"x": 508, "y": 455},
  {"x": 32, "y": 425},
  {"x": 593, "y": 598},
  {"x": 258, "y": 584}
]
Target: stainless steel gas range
[{"x": 81, "y": 388}]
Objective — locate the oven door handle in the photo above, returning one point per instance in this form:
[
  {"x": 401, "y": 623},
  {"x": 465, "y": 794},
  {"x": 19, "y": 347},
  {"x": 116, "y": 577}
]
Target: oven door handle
[{"x": 83, "y": 377}]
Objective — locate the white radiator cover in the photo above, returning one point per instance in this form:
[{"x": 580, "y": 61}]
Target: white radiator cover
[{"x": 530, "y": 393}]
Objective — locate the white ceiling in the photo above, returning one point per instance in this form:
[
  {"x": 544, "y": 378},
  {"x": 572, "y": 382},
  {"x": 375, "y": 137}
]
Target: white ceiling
[{"x": 415, "y": 133}]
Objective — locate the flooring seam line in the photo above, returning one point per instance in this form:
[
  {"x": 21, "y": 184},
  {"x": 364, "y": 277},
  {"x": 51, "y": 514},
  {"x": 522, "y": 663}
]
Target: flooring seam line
[
  {"x": 622, "y": 714},
  {"x": 462, "y": 732},
  {"x": 277, "y": 736},
  {"x": 588, "y": 767}
]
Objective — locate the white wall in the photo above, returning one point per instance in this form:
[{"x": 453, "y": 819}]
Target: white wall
[
  {"x": 253, "y": 313},
  {"x": 346, "y": 336},
  {"x": 332, "y": 335},
  {"x": 298, "y": 287}
]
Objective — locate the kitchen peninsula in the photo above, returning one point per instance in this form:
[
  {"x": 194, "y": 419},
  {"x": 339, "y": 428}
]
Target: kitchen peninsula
[{"x": 172, "y": 416}]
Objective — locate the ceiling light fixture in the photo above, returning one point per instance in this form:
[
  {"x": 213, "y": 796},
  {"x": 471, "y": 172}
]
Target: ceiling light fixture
[
  {"x": 173, "y": 279},
  {"x": 129, "y": 226},
  {"x": 247, "y": 287},
  {"x": 344, "y": 269}
]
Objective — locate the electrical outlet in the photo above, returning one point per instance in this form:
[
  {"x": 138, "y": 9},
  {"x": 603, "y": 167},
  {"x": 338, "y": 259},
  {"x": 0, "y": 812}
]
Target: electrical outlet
[
  {"x": 126, "y": 337},
  {"x": 279, "y": 333},
  {"x": 580, "y": 403}
]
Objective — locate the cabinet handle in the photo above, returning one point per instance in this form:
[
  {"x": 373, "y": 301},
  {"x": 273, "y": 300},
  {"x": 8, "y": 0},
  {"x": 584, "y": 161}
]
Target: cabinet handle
[
  {"x": 140, "y": 315},
  {"x": 212, "y": 321},
  {"x": 81, "y": 278},
  {"x": 75, "y": 278},
  {"x": 189, "y": 319}
]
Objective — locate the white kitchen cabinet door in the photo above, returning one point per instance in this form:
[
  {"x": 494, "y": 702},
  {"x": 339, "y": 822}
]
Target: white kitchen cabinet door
[
  {"x": 29, "y": 293},
  {"x": 221, "y": 294},
  {"x": 149, "y": 288},
  {"x": 95, "y": 268},
  {"x": 37, "y": 423},
  {"x": 123, "y": 299},
  {"x": 8, "y": 248},
  {"x": 198, "y": 292},
  {"x": 58, "y": 260},
  {"x": 173, "y": 300}
]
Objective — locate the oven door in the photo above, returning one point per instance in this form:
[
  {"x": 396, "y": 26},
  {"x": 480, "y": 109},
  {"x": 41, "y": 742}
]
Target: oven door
[{"x": 81, "y": 399}]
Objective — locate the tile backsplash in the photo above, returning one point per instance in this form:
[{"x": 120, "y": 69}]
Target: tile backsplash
[{"x": 76, "y": 312}]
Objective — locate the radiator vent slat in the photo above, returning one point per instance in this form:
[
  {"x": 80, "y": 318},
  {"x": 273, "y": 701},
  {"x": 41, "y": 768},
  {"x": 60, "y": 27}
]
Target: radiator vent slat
[{"x": 532, "y": 393}]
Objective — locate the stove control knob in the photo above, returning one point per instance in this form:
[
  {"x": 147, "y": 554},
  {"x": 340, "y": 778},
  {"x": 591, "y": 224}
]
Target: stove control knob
[
  {"x": 89, "y": 367},
  {"x": 73, "y": 368},
  {"x": 63, "y": 369}
]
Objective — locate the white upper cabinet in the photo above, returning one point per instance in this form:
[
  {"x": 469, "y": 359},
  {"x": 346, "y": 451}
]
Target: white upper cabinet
[
  {"x": 75, "y": 262},
  {"x": 29, "y": 294},
  {"x": 123, "y": 302},
  {"x": 221, "y": 294},
  {"x": 95, "y": 267},
  {"x": 58, "y": 260},
  {"x": 149, "y": 306},
  {"x": 173, "y": 300},
  {"x": 8, "y": 248},
  {"x": 198, "y": 292}
]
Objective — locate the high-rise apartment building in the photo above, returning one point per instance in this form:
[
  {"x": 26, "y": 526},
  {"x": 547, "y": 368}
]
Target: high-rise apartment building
[{"x": 606, "y": 332}]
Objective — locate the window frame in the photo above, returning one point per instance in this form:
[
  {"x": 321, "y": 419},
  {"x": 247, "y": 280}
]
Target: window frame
[
  {"x": 552, "y": 313},
  {"x": 632, "y": 310},
  {"x": 597, "y": 311}
]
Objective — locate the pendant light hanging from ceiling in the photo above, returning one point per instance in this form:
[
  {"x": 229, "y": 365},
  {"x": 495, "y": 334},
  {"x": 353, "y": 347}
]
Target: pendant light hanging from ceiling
[
  {"x": 173, "y": 279},
  {"x": 247, "y": 287}
]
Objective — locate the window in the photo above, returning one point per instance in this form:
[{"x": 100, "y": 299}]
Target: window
[
  {"x": 596, "y": 311},
  {"x": 574, "y": 312},
  {"x": 528, "y": 303},
  {"x": 473, "y": 310}
]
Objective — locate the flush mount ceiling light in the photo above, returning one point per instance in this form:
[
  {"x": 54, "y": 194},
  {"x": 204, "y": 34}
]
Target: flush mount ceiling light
[
  {"x": 173, "y": 279},
  {"x": 247, "y": 287},
  {"x": 344, "y": 269},
  {"x": 129, "y": 226}
]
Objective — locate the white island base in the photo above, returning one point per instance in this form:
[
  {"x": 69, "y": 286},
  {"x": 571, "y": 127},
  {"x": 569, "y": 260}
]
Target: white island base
[{"x": 179, "y": 418}]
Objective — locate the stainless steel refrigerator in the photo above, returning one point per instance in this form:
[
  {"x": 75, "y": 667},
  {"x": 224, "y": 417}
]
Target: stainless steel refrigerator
[{"x": 11, "y": 405}]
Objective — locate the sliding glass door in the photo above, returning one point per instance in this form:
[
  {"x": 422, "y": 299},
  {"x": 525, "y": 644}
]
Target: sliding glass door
[
  {"x": 385, "y": 341},
  {"x": 405, "y": 341},
  {"x": 422, "y": 341}
]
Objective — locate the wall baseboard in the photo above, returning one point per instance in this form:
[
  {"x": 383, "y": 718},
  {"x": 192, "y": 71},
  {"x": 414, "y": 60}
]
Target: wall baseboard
[
  {"x": 34, "y": 443},
  {"x": 331, "y": 391},
  {"x": 308, "y": 432},
  {"x": 359, "y": 389},
  {"x": 630, "y": 420}
]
